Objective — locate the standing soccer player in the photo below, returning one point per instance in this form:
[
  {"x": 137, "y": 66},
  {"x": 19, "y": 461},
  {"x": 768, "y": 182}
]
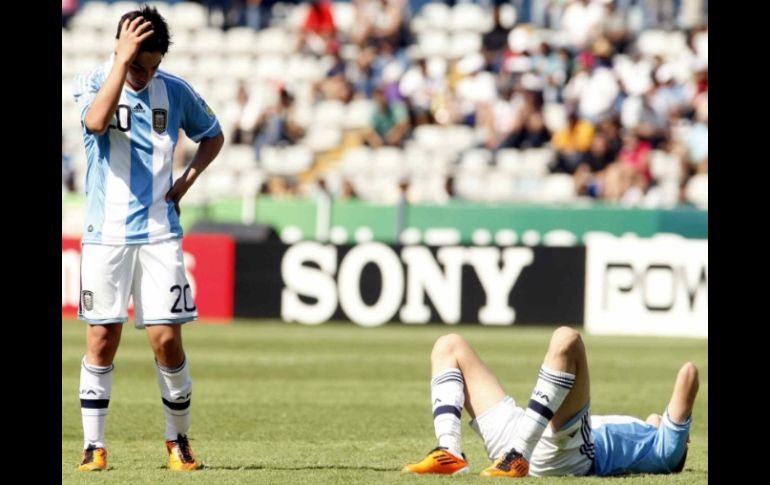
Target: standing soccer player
[{"x": 131, "y": 114}]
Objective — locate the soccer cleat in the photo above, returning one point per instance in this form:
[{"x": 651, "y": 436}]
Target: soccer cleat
[
  {"x": 94, "y": 459},
  {"x": 512, "y": 465},
  {"x": 439, "y": 461},
  {"x": 180, "y": 455}
]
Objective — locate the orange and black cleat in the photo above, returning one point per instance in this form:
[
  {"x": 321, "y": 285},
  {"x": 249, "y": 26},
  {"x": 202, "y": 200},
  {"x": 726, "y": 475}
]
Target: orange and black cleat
[
  {"x": 512, "y": 465},
  {"x": 439, "y": 461},
  {"x": 94, "y": 459},
  {"x": 180, "y": 455}
]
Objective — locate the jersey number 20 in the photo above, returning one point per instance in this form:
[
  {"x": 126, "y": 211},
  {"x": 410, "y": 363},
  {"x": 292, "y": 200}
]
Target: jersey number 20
[
  {"x": 181, "y": 297},
  {"x": 122, "y": 118}
]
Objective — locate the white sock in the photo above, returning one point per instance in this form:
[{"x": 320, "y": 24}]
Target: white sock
[
  {"x": 550, "y": 391},
  {"x": 95, "y": 390},
  {"x": 175, "y": 391},
  {"x": 448, "y": 398}
]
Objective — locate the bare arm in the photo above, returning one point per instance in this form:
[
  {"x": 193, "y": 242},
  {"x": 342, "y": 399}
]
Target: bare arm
[
  {"x": 208, "y": 149},
  {"x": 105, "y": 103},
  {"x": 398, "y": 132},
  {"x": 372, "y": 137}
]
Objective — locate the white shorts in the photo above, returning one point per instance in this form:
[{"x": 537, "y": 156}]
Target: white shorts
[
  {"x": 566, "y": 452},
  {"x": 153, "y": 274}
]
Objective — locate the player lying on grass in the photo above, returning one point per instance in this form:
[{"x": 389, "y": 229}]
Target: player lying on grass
[{"x": 554, "y": 435}]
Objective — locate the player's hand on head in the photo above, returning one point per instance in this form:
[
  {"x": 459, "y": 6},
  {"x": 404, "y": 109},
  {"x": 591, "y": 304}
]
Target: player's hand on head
[{"x": 132, "y": 34}]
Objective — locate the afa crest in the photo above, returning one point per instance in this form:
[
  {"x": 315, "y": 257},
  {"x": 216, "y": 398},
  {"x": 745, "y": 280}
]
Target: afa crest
[
  {"x": 87, "y": 299},
  {"x": 159, "y": 120}
]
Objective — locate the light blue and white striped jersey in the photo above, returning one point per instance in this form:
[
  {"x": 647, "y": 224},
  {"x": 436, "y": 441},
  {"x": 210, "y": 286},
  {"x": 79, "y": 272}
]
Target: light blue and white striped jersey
[
  {"x": 129, "y": 166},
  {"x": 624, "y": 444}
]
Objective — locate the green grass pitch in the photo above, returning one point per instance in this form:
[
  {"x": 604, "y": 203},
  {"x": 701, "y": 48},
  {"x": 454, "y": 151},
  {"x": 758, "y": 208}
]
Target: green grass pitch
[{"x": 275, "y": 403}]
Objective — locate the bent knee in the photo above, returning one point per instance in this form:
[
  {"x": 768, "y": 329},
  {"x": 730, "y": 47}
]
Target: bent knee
[
  {"x": 564, "y": 340},
  {"x": 448, "y": 344},
  {"x": 167, "y": 343},
  {"x": 690, "y": 371}
]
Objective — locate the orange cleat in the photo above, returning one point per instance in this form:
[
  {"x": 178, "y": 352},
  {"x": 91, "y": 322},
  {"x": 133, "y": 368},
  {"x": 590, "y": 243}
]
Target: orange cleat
[
  {"x": 180, "y": 455},
  {"x": 441, "y": 462},
  {"x": 512, "y": 465},
  {"x": 94, "y": 459}
]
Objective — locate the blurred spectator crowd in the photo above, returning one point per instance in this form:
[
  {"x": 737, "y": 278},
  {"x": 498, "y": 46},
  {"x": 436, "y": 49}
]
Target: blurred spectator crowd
[{"x": 385, "y": 100}]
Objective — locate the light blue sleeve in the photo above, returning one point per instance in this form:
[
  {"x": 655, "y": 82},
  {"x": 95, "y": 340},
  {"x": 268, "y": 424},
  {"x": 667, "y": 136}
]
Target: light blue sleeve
[
  {"x": 84, "y": 89},
  {"x": 199, "y": 120}
]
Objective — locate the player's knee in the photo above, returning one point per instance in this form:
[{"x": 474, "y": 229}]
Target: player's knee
[
  {"x": 565, "y": 340},
  {"x": 102, "y": 340},
  {"x": 448, "y": 344},
  {"x": 689, "y": 371},
  {"x": 169, "y": 347}
]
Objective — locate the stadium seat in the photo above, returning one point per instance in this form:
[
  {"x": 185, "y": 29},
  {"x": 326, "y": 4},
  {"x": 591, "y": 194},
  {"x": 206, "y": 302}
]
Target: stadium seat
[
  {"x": 558, "y": 187},
  {"x": 300, "y": 68},
  {"x": 209, "y": 67},
  {"x": 555, "y": 116},
  {"x": 270, "y": 68},
  {"x": 508, "y": 15},
  {"x": 241, "y": 40},
  {"x": 476, "y": 160},
  {"x": 208, "y": 42},
  {"x": 462, "y": 44},
  {"x": 322, "y": 138},
  {"x": 510, "y": 160},
  {"x": 117, "y": 9},
  {"x": 436, "y": 15},
  {"x": 358, "y": 114},
  {"x": 470, "y": 17},
  {"x": 188, "y": 15},
  {"x": 242, "y": 67},
  {"x": 501, "y": 186},
  {"x": 344, "y": 16},
  {"x": 221, "y": 184},
  {"x": 239, "y": 157},
  {"x": 429, "y": 137},
  {"x": 95, "y": 15},
  {"x": 537, "y": 161},
  {"x": 297, "y": 17},
  {"x": 274, "y": 40},
  {"x": 459, "y": 138},
  {"x": 471, "y": 186},
  {"x": 329, "y": 113},
  {"x": 697, "y": 190},
  {"x": 289, "y": 160},
  {"x": 389, "y": 161},
  {"x": 433, "y": 43},
  {"x": 356, "y": 160},
  {"x": 665, "y": 166},
  {"x": 224, "y": 91}
]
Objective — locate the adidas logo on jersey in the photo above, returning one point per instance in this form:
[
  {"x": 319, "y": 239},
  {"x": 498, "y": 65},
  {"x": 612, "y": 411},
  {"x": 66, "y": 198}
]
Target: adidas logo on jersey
[{"x": 138, "y": 108}]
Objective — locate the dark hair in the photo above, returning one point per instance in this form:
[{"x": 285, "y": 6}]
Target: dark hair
[{"x": 160, "y": 39}]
